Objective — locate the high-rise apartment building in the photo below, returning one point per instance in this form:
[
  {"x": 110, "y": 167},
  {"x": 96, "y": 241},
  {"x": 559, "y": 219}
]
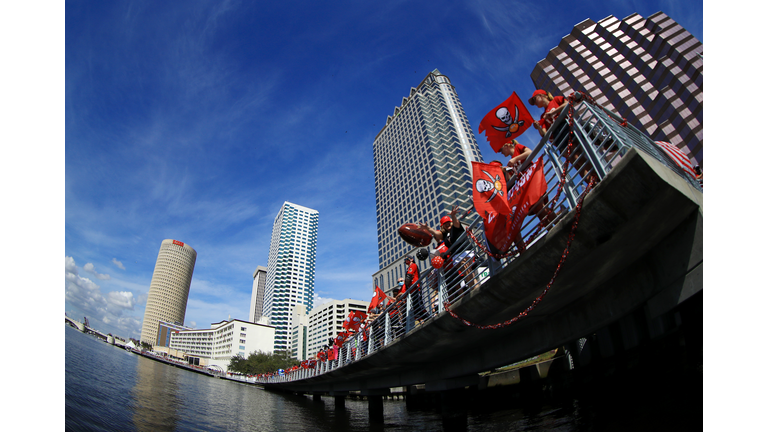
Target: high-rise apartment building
[
  {"x": 290, "y": 268},
  {"x": 422, "y": 161},
  {"x": 326, "y": 322},
  {"x": 648, "y": 70},
  {"x": 169, "y": 289},
  {"x": 257, "y": 294}
]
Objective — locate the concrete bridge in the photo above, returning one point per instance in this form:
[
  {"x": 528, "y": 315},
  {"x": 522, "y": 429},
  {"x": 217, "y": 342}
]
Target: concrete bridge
[
  {"x": 637, "y": 253},
  {"x": 634, "y": 273},
  {"x": 83, "y": 327}
]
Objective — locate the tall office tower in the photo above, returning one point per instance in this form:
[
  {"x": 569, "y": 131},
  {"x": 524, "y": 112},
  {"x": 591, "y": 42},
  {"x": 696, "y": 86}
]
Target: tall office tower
[
  {"x": 290, "y": 268},
  {"x": 422, "y": 161},
  {"x": 326, "y": 322},
  {"x": 257, "y": 294},
  {"x": 169, "y": 289},
  {"x": 648, "y": 70}
]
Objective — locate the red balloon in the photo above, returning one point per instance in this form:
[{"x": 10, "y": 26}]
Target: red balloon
[{"x": 437, "y": 262}]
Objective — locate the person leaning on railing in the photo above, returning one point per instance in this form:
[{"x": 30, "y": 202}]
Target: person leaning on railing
[
  {"x": 519, "y": 154},
  {"x": 553, "y": 106}
]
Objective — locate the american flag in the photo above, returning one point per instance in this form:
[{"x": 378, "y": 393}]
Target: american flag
[{"x": 677, "y": 155}]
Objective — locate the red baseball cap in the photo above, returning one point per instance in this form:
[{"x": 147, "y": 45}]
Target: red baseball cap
[
  {"x": 536, "y": 93},
  {"x": 444, "y": 219}
]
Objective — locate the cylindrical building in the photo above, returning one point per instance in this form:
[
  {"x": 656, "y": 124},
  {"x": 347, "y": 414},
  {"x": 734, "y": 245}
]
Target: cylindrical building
[{"x": 169, "y": 289}]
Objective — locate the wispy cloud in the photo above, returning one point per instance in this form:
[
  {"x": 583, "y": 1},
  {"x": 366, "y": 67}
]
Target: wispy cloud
[{"x": 118, "y": 264}]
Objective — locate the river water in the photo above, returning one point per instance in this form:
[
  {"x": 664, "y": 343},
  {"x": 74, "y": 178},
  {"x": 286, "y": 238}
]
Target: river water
[{"x": 110, "y": 389}]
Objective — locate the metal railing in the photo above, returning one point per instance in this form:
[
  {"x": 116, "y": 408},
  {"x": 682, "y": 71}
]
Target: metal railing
[{"x": 600, "y": 139}]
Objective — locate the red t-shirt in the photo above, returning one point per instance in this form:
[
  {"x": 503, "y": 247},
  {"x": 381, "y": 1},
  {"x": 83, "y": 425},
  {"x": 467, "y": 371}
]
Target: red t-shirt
[
  {"x": 519, "y": 149},
  {"x": 554, "y": 103},
  {"x": 413, "y": 269}
]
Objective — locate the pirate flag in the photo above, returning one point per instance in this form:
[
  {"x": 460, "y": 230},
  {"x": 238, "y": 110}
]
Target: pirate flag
[
  {"x": 503, "y": 212},
  {"x": 377, "y": 299},
  {"x": 505, "y": 122},
  {"x": 353, "y": 321}
]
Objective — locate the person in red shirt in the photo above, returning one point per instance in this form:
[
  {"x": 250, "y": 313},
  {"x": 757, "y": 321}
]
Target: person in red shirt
[
  {"x": 519, "y": 153},
  {"x": 411, "y": 278},
  {"x": 553, "y": 106}
]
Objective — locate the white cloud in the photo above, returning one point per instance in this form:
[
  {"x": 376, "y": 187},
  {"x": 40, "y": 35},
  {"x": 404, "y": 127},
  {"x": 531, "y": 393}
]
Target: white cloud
[
  {"x": 121, "y": 300},
  {"x": 88, "y": 267},
  {"x": 87, "y": 297},
  {"x": 118, "y": 264}
]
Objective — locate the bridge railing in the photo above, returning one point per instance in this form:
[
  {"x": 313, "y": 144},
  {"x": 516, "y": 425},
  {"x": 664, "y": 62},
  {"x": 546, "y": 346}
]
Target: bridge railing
[{"x": 600, "y": 139}]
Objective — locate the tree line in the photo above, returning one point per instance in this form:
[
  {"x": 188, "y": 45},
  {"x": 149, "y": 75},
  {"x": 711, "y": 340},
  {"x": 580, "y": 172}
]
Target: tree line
[{"x": 259, "y": 362}]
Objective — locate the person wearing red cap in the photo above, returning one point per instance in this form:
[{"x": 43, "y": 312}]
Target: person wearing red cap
[
  {"x": 450, "y": 231},
  {"x": 450, "y": 228},
  {"x": 552, "y": 105}
]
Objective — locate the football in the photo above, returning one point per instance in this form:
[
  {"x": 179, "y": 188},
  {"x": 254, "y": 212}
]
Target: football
[{"x": 414, "y": 235}]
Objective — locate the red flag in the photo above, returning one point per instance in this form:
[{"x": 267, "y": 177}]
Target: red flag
[
  {"x": 527, "y": 191},
  {"x": 332, "y": 353},
  {"x": 502, "y": 218},
  {"x": 677, "y": 155},
  {"x": 340, "y": 339},
  {"x": 505, "y": 122},
  {"x": 377, "y": 299},
  {"x": 353, "y": 321},
  {"x": 490, "y": 191}
]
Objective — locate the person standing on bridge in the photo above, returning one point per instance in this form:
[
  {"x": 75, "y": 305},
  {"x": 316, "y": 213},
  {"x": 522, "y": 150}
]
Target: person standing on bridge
[
  {"x": 417, "y": 299},
  {"x": 449, "y": 233}
]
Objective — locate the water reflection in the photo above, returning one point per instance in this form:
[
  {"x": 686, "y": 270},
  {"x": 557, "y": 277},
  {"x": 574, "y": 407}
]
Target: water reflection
[{"x": 155, "y": 396}]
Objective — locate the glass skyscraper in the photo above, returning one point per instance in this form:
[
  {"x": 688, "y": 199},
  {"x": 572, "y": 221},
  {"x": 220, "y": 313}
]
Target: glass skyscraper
[
  {"x": 422, "y": 161},
  {"x": 290, "y": 268},
  {"x": 648, "y": 70}
]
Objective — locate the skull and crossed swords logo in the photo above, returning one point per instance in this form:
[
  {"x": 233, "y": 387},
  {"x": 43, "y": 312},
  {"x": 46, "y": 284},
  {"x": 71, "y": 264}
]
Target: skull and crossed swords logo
[
  {"x": 512, "y": 124},
  {"x": 495, "y": 184}
]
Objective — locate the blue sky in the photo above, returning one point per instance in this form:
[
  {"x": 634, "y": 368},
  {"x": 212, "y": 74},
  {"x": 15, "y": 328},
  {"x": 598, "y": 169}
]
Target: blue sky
[{"x": 196, "y": 122}]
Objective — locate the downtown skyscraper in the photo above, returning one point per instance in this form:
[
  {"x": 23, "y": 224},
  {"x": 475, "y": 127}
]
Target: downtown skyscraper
[
  {"x": 647, "y": 70},
  {"x": 422, "y": 161},
  {"x": 290, "y": 268},
  {"x": 169, "y": 289}
]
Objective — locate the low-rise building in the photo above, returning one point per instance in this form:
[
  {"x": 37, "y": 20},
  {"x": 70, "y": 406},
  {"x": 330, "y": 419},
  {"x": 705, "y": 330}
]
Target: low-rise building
[{"x": 224, "y": 340}]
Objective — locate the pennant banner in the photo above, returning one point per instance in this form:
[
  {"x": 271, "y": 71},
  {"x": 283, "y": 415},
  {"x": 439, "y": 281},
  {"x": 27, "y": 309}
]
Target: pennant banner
[{"x": 505, "y": 122}]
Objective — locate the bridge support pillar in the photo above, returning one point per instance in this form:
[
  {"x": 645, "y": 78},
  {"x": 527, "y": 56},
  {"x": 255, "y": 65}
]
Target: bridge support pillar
[
  {"x": 453, "y": 406},
  {"x": 376, "y": 409},
  {"x": 339, "y": 402}
]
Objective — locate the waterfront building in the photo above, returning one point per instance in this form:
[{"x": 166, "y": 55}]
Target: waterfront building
[
  {"x": 650, "y": 70},
  {"x": 422, "y": 161},
  {"x": 290, "y": 268},
  {"x": 224, "y": 340},
  {"x": 164, "y": 330},
  {"x": 299, "y": 333},
  {"x": 169, "y": 289},
  {"x": 257, "y": 294},
  {"x": 327, "y": 320}
]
